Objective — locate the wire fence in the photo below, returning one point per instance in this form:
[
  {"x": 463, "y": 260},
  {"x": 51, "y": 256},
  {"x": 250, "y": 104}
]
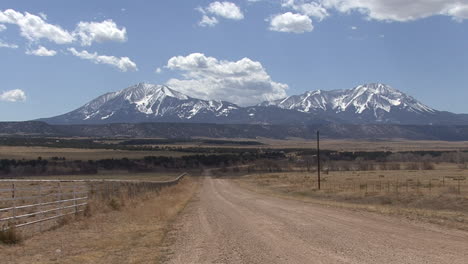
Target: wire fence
[
  {"x": 38, "y": 205},
  {"x": 453, "y": 185}
]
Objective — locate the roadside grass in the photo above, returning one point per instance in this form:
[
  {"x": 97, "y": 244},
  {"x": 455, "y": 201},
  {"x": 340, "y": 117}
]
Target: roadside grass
[
  {"x": 119, "y": 230},
  {"x": 112, "y": 175},
  {"x": 417, "y": 195}
]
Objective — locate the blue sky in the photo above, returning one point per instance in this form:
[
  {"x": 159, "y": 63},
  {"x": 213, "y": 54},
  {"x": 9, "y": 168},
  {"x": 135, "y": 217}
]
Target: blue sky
[{"x": 244, "y": 52}]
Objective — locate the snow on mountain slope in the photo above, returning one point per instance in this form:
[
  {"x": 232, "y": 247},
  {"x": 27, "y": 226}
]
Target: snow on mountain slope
[
  {"x": 145, "y": 102},
  {"x": 364, "y": 104},
  {"x": 377, "y": 100}
]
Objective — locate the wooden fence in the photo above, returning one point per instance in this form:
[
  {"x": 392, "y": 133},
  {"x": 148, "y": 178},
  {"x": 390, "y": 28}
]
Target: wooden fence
[{"x": 42, "y": 204}]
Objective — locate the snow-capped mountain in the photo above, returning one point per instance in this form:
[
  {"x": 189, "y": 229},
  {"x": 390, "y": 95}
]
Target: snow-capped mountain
[
  {"x": 145, "y": 103},
  {"x": 369, "y": 103},
  {"x": 364, "y": 104},
  {"x": 373, "y": 97}
]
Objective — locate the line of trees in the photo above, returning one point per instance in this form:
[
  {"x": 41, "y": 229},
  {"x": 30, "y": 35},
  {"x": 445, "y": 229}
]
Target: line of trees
[{"x": 61, "y": 166}]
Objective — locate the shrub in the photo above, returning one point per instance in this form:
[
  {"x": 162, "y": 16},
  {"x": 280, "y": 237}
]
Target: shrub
[
  {"x": 114, "y": 204},
  {"x": 10, "y": 236},
  {"x": 427, "y": 166}
]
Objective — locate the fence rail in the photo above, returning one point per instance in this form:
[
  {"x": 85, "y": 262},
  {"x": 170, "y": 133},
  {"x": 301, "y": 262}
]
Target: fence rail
[{"x": 29, "y": 202}]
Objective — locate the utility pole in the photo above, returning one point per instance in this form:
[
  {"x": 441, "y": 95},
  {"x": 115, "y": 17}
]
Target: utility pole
[{"x": 318, "y": 158}]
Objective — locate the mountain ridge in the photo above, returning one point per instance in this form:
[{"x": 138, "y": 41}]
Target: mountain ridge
[
  {"x": 190, "y": 130},
  {"x": 373, "y": 103}
]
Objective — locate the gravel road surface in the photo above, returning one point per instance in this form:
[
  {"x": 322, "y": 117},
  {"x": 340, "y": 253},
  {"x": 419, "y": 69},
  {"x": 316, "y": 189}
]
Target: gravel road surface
[{"x": 228, "y": 224}]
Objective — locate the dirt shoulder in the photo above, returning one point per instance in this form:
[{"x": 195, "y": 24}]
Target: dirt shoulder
[{"x": 411, "y": 207}]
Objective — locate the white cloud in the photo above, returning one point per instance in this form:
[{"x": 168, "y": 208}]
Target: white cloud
[
  {"x": 208, "y": 21},
  {"x": 7, "y": 45},
  {"x": 122, "y": 63},
  {"x": 354, "y": 28},
  {"x": 244, "y": 82},
  {"x": 216, "y": 9},
  {"x": 401, "y": 10},
  {"x": 158, "y": 70},
  {"x": 34, "y": 27},
  {"x": 16, "y": 95},
  {"x": 106, "y": 30},
  {"x": 308, "y": 8},
  {"x": 225, "y": 9},
  {"x": 289, "y": 22},
  {"x": 42, "y": 51}
]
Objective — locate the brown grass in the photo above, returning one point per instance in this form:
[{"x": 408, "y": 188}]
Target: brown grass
[
  {"x": 424, "y": 195},
  {"x": 20, "y": 152},
  {"x": 130, "y": 235},
  {"x": 368, "y": 145}
]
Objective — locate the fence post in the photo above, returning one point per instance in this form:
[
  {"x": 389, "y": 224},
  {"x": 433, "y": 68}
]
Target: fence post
[
  {"x": 59, "y": 211},
  {"x": 13, "y": 196},
  {"x": 39, "y": 201},
  {"x": 74, "y": 198}
]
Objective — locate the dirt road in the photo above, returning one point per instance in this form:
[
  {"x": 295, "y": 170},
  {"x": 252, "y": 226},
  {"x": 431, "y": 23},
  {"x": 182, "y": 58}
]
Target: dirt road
[{"x": 228, "y": 224}]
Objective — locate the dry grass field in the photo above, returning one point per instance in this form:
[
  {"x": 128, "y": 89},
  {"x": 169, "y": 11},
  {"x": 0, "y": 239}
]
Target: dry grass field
[
  {"x": 32, "y": 152},
  {"x": 20, "y": 152},
  {"x": 331, "y": 144},
  {"x": 368, "y": 145},
  {"x": 129, "y": 233},
  {"x": 431, "y": 195},
  {"x": 43, "y": 192}
]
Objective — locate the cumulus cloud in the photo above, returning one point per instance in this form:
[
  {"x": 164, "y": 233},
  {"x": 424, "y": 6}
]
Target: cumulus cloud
[
  {"x": 216, "y": 9},
  {"x": 124, "y": 64},
  {"x": 290, "y": 22},
  {"x": 34, "y": 27},
  {"x": 225, "y": 9},
  {"x": 208, "y": 21},
  {"x": 42, "y": 51},
  {"x": 308, "y": 8},
  {"x": 402, "y": 11},
  {"x": 7, "y": 45},
  {"x": 244, "y": 82},
  {"x": 107, "y": 30},
  {"x": 16, "y": 95}
]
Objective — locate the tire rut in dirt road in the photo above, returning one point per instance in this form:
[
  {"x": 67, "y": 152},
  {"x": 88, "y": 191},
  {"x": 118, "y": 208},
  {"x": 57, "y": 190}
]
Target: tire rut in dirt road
[{"x": 228, "y": 224}]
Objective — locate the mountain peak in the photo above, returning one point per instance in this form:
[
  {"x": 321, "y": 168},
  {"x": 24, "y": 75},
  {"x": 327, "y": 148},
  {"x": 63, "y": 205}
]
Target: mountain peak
[
  {"x": 374, "y": 99},
  {"x": 377, "y": 88},
  {"x": 367, "y": 103},
  {"x": 152, "y": 90}
]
